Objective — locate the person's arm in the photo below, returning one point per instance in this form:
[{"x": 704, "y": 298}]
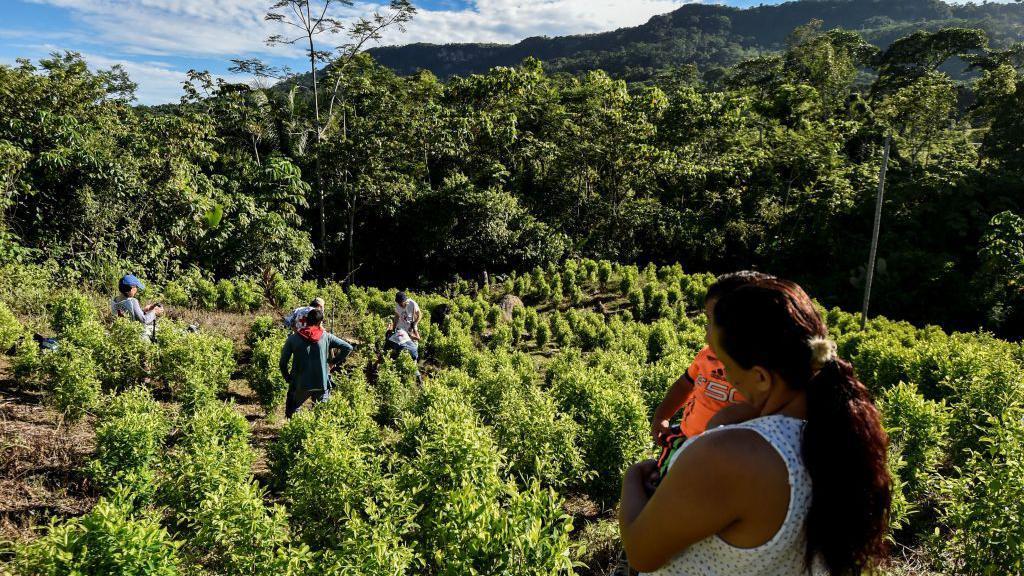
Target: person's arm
[
  {"x": 283, "y": 363},
  {"x": 138, "y": 314},
  {"x": 698, "y": 499},
  {"x": 674, "y": 399},
  {"x": 335, "y": 343}
]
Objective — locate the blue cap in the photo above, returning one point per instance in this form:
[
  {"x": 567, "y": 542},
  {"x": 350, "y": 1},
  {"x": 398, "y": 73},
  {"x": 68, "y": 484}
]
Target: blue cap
[{"x": 131, "y": 280}]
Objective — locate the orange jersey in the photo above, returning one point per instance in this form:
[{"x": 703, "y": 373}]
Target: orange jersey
[{"x": 711, "y": 393}]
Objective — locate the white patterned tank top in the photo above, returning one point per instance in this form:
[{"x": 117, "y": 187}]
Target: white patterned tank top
[{"x": 783, "y": 554}]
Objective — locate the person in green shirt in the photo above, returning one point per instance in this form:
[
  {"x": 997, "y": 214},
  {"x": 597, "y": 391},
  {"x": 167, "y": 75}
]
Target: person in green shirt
[{"x": 306, "y": 362}]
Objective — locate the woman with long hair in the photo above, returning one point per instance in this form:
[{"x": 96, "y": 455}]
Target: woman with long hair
[{"x": 802, "y": 488}]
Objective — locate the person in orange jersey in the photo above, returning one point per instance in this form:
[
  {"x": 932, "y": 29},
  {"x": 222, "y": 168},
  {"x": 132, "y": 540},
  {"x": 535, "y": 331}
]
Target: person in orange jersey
[{"x": 702, "y": 393}]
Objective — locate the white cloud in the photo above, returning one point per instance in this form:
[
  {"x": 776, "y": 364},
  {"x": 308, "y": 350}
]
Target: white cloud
[
  {"x": 512, "y": 20},
  {"x": 236, "y": 28}
]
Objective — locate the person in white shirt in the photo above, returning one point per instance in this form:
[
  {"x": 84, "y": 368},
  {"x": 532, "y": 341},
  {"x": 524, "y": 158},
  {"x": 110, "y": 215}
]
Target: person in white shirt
[
  {"x": 297, "y": 319},
  {"x": 407, "y": 316}
]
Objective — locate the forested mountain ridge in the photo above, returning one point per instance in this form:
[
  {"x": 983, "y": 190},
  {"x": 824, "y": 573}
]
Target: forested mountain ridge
[{"x": 708, "y": 36}]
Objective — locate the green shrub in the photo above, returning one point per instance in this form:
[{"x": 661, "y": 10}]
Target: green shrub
[
  {"x": 261, "y": 327},
  {"x": 108, "y": 540},
  {"x": 982, "y": 512},
  {"x": 396, "y": 387},
  {"x": 248, "y": 296},
  {"x": 10, "y": 329},
  {"x": 175, "y": 294},
  {"x": 604, "y": 273},
  {"x": 264, "y": 374},
  {"x": 233, "y": 532},
  {"x": 214, "y": 451},
  {"x": 336, "y": 485},
  {"x": 129, "y": 439},
  {"x": 453, "y": 349},
  {"x": 561, "y": 332},
  {"x": 501, "y": 337},
  {"x": 225, "y": 294},
  {"x": 917, "y": 428},
  {"x": 636, "y": 301},
  {"x": 195, "y": 365},
  {"x": 660, "y": 341},
  {"x": 541, "y": 442},
  {"x": 28, "y": 362},
  {"x": 306, "y": 290},
  {"x": 280, "y": 292},
  {"x": 70, "y": 309},
  {"x": 73, "y": 379},
  {"x": 206, "y": 294},
  {"x": 543, "y": 333},
  {"x": 599, "y": 396},
  {"x": 125, "y": 358},
  {"x": 343, "y": 415}
]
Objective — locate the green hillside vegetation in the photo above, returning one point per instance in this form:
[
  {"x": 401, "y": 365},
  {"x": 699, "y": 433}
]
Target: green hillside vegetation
[
  {"x": 710, "y": 37},
  {"x": 484, "y": 468},
  {"x": 774, "y": 167}
]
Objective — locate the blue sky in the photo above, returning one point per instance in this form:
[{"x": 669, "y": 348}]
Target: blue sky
[{"x": 157, "y": 41}]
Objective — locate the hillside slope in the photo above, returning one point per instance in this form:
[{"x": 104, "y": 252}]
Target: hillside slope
[{"x": 707, "y": 36}]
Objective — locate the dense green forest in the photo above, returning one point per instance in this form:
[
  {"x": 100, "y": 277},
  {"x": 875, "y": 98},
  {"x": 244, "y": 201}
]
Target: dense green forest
[
  {"x": 710, "y": 36},
  {"x": 773, "y": 166}
]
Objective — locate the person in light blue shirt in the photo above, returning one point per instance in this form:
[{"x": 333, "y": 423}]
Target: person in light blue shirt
[{"x": 127, "y": 305}]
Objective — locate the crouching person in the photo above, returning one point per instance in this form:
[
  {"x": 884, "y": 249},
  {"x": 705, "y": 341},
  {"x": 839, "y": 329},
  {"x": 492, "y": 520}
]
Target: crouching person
[
  {"x": 127, "y": 306},
  {"x": 306, "y": 362}
]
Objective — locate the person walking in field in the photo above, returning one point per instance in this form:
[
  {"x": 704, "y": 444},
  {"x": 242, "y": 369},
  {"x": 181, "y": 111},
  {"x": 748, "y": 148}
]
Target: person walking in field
[
  {"x": 702, "y": 392},
  {"x": 802, "y": 488},
  {"x": 297, "y": 319},
  {"x": 306, "y": 362},
  {"x": 126, "y": 305}
]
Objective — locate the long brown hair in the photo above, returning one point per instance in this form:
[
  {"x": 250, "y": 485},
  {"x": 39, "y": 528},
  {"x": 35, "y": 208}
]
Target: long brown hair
[{"x": 771, "y": 323}]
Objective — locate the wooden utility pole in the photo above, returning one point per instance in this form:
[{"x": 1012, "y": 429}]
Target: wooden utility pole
[{"x": 874, "y": 233}]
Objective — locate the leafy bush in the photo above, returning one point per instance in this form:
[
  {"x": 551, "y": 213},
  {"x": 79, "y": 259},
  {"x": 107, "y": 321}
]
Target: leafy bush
[
  {"x": 69, "y": 309},
  {"x": 226, "y": 294},
  {"x": 604, "y": 272},
  {"x": 396, "y": 387},
  {"x": 73, "y": 379},
  {"x": 543, "y": 333},
  {"x": 264, "y": 375},
  {"x": 983, "y": 513},
  {"x": 176, "y": 294},
  {"x": 196, "y": 366},
  {"x": 206, "y": 294},
  {"x": 455, "y": 348},
  {"x": 917, "y": 428},
  {"x": 107, "y": 540},
  {"x": 129, "y": 439},
  {"x": 248, "y": 296},
  {"x": 10, "y": 329},
  {"x": 597, "y": 394},
  {"x": 344, "y": 414},
  {"x": 233, "y": 532},
  {"x": 261, "y": 327},
  {"x": 214, "y": 451}
]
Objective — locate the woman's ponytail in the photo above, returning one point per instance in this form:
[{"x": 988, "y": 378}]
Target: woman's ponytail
[{"x": 844, "y": 450}]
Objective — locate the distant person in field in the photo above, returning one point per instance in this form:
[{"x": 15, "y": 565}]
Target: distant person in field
[
  {"x": 403, "y": 333},
  {"x": 703, "y": 392},
  {"x": 126, "y": 305},
  {"x": 407, "y": 315},
  {"x": 801, "y": 489},
  {"x": 297, "y": 319},
  {"x": 306, "y": 361}
]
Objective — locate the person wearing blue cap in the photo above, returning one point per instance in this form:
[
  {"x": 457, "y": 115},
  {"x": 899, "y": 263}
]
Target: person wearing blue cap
[{"x": 127, "y": 305}]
